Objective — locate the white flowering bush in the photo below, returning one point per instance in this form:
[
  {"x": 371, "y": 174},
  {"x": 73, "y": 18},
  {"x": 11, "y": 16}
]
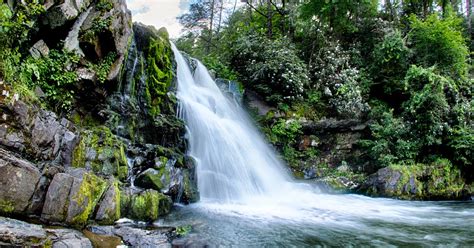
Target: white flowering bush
[
  {"x": 333, "y": 74},
  {"x": 271, "y": 68}
]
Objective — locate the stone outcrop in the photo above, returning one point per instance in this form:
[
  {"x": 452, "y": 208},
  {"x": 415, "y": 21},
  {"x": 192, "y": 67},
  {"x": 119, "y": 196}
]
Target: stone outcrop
[{"x": 79, "y": 167}]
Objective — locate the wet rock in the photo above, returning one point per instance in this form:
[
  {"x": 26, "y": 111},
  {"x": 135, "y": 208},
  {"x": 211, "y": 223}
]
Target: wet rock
[
  {"x": 146, "y": 205},
  {"x": 436, "y": 181},
  {"x": 68, "y": 238},
  {"x": 102, "y": 152},
  {"x": 109, "y": 207},
  {"x": 153, "y": 179},
  {"x": 15, "y": 233},
  {"x": 17, "y": 183},
  {"x": 39, "y": 49},
  {"x": 103, "y": 241},
  {"x": 136, "y": 237},
  {"x": 72, "y": 41}
]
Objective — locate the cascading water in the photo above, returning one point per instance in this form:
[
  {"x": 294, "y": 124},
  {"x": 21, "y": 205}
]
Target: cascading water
[
  {"x": 248, "y": 199},
  {"x": 234, "y": 163}
]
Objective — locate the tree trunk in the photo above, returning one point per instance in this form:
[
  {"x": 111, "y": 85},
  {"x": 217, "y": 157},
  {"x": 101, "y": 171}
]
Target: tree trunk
[
  {"x": 211, "y": 24},
  {"x": 269, "y": 19}
]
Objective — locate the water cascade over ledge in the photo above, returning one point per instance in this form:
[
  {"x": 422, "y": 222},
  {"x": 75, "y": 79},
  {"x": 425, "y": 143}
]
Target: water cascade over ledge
[{"x": 247, "y": 198}]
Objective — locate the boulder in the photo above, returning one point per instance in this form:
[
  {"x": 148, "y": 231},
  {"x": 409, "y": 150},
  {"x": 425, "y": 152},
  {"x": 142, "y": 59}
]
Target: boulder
[
  {"x": 55, "y": 205},
  {"x": 439, "y": 180},
  {"x": 147, "y": 205},
  {"x": 68, "y": 238},
  {"x": 109, "y": 207},
  {"x": 39, "y": 49},
  {"x": 86, "y": 191},
  {"x": 15, "y": 233},
  {"x": 18, "y": 182},
  {"x": 153, "y": 179},
  {"x": 68, "y": 10},
  {"x": 136, "y": 237}
]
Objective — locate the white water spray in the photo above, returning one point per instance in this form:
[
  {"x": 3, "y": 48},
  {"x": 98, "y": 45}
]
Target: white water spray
[{"x": 234, "y": 163}]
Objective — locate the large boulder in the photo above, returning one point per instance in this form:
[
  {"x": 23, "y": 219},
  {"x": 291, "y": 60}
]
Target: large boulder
[
  {"x": 72, "y": 198},
  {"x": 146, "y": 205},
  {"x": 109, "y": 207},
  {"x": 15, "y": 233},
  {"x": 439, "y": 180},
  {"x": 18, "y": 182}
]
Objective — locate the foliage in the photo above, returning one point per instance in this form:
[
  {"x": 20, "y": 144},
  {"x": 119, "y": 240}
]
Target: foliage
[
  {"x": 271, "y": 68},
  {"x": 440, "y": 42},
  {"x": 183, "y": 230},
  {"x": 390, "y": 63},
  {"x": 104, "y": 5},
  {"x": 333, "y": 74},
  {"x": 427, "y": 109},
  {"x": 102, "y": 69},
  {"x": 54, "y": 75}
]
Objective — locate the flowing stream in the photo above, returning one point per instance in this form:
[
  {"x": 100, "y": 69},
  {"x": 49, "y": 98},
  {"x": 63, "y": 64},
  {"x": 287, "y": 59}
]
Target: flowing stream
[{"x": 248, "y": 199}]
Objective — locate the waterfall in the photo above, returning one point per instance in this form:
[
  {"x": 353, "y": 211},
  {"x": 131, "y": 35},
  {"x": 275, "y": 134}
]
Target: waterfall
[{"x": 234, "y": 163}]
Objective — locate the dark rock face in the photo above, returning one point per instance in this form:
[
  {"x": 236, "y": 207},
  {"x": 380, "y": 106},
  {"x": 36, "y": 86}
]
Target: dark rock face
[{"x": 18, "y": 182}]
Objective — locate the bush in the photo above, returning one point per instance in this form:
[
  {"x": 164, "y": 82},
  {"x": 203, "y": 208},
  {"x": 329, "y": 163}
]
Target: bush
[
  {"x": 440, "y": 42},
  {"x": 333, "y": 74},
  {"x": 271, "y": 68},
  {"x": 427, "y": 109},
  {"x": 390, "y": 63}
]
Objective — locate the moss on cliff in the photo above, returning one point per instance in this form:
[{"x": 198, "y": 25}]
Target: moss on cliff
[
  {"x": 149, "y": 205},
  {"x": 102, "y": 152},
  {"x": 159, "y": 72}
]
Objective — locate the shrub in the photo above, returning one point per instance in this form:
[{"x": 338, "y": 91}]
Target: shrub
[
  {"x": 440, "y": 42},
  {"x": 271, "y": 68}
]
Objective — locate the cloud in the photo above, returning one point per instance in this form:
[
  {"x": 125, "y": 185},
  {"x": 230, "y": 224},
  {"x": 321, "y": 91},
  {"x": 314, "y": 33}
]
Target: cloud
[{"x": 159, "y": 13}]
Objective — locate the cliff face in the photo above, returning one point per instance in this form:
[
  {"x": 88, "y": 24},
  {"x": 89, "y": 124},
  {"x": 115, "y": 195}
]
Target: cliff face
[{"x": 117, "y": 149}]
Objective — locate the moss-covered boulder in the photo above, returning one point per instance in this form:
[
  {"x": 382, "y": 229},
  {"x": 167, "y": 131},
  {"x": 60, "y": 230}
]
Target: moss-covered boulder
[
  {"x": 109, "y": 207},
  {"x": 101, "y": 152},
  {"x": 86, "y": 192},
  {"x": 147, "y": 205},
  {"x": 439, "y": 180},
  {"x": 153, "y": 179}
]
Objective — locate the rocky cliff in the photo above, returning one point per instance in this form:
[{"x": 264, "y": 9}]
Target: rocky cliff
[{"x": 116, "y": 148}]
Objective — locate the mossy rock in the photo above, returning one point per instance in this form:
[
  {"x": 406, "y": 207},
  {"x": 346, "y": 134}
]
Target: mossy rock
[
  {"x": 439, "y": 180},
  {"x": 101, "y": 152},
  {"x": 190, "y": 190},
  {"x": 109, "y": 208},
  {"x": 149, "y": 205},
  {"x": 86, "y": 193},
  {"x": 153, "y": 179}
]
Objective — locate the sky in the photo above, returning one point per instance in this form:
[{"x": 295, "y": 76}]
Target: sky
[{"x": 159, "y": 13}]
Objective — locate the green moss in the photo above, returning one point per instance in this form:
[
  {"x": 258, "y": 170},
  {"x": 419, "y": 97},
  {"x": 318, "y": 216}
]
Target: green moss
[
  {"x": 159, "y": 72},
  {"x": 108, "y": 153},
  {"x": 113, "y": 214},
  {"x": 88, "y": 195},
  {"x": 149, "y": 205},
  {"x": 6, "y": 207}
]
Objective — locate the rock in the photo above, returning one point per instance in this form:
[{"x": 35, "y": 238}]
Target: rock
[
  {"x": 18, "y": 182},
  {"x": 136, "y": 237},
  {"x": 39, "y": 49},
  {"x": 37, "y": 201},
  {"x": 109, "y": 207},
  {"x": 15, "y": 233},
  {"x": 55, "y": 208},
  {"x": 436, "y": 181},
  {"x": 153, "y": 179},
  {"x": 67, "y": 238},
  {"x": 147, "y": 205},
  {"x": 86, "y": 191},
  {"x": 72, "y": 41},
  {"x": 68, "y": 10},
  {"x": 102, "y": 152}
]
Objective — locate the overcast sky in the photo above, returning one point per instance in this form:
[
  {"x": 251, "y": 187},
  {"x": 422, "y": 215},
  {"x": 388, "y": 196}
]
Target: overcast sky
[{"x": 159, "y": 13}]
